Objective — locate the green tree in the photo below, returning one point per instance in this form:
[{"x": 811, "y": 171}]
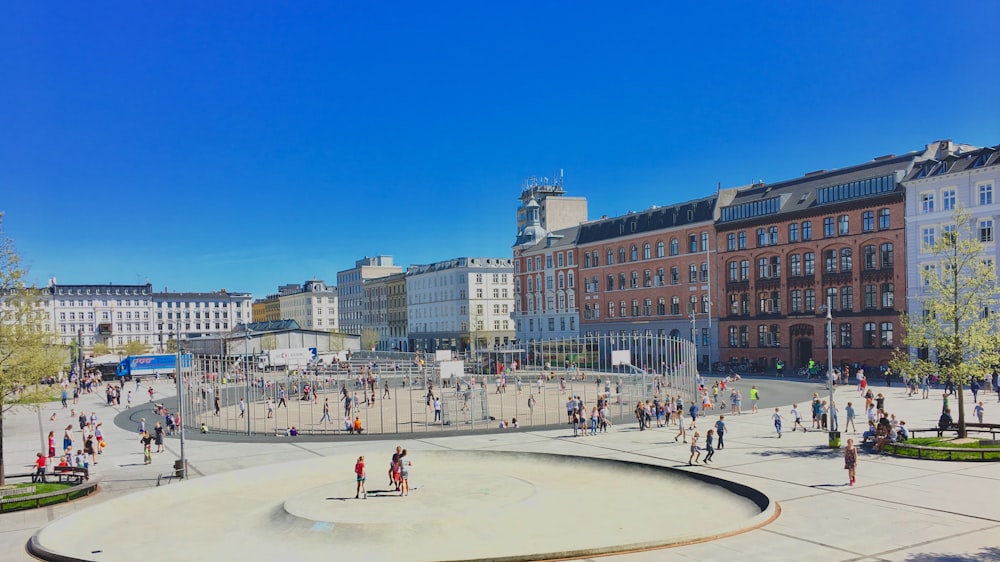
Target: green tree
[
  {"x": 27, "y": 352},
  {"x": 369, "y": 339},
  {"x": 955, "y": 330},
  {"x": 100, "y": 348},
  {"x": 171, "y": 346},
  {"x": 338, "y": 340}
]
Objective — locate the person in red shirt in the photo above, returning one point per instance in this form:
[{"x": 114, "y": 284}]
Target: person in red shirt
[
  {"x": 40, "y": 463},
  {"x": 359, "y": 471}
]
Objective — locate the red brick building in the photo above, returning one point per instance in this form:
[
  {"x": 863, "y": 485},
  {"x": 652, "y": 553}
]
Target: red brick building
[{"x": 785, "y": 248}]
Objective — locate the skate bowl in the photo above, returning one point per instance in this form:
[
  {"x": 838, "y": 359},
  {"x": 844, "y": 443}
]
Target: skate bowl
[{"x": 475, "y": 505}]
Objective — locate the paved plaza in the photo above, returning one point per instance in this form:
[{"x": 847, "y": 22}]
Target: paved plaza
[{"x": 900, "y": 509}]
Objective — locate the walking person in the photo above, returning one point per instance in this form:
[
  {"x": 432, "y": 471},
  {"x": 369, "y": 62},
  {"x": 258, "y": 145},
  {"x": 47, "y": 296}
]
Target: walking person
[
  {"x": 385, "y": 391},
  {"x": 777, "y": 422},
  {"x": 754, "y": 397},
  {"x": 218, "y": 404},
  {"x": 797, "y": 419},
  {"x": 359, "y": 471},
  {"x": 850, "y": 418},
  {"x": 437, "y": 408},
  {"x": 695, "y": 450},
  {"x": 708, "y": 446},
  {"x": 326, "y": 413},
  {"x": 158, "y": 436},
  {"x": 850, "y": 460},
  {"x": 281, "y": 397},
  {"x": 147, "y": 453},
  {"x": 720, "y": 428},
  {"x": 694, "y": 415},
  {"x": 243, "y": 407},
  {"x": 979, "y": 411}
]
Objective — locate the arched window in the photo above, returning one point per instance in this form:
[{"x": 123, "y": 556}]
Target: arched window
[
  {"x": 611, "y": 282},
  {"x": 673, "y": 247},
  {"x": 659, "y": 249},
  {"x": 621, "y": 281},
  {"x": 621, "y": 255},
  {"x": 634, "y": 253},
  {"x": 586, "y": 260},
  {"x": 611, "y": 257}
]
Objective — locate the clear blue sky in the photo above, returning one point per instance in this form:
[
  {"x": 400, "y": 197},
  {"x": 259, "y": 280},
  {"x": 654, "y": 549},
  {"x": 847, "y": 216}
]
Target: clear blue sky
[{"x": 244, "y": 145}]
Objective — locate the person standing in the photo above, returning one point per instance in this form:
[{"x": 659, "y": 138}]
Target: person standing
[
  {"x": 281, "y": 397},
  {"x": 243, "y": 407},
  {"x": 147, "y": 453},
  {"x": 720, "y": 428},
  {"x": 40, "y": 463},
  {"x": 437, "y": 408},
  {"x": 850, "y": 460},
  {"x": 158, "y": 436},
  {"x": 850, "y": 418},
  {"x": 326, "y": 412},
  {"x": 52, "y": 444},
  {"x": 218, "y": 404},
  {"x": 979, "y": 411},
  {"x": 385, "y": 391},
  {"x": 151, "y": 393},
  {"x": 708, "y": 447},
  {"x": 694, "y": 415},
  {"x": 777, "y": 422},
  {"x": 404, "y": 473},
  {"x": 359, "y": 471},
  {"x": 754, "y": 397}
]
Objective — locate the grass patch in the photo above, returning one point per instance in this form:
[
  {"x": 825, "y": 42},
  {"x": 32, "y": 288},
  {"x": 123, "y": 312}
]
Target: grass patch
[
  {"x": 39, "y": 490},
  {"x": 972, "y": 450}
]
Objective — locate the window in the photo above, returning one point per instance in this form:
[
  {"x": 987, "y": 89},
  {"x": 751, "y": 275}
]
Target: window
[
  {"x": 828, "y": 227},
  {"x": 744, "y": 270},
  {"x": 647, "y": 307},
  {"x": 830, "y": 261},
  {"x": 986, "y": 194},
  {"x": 611, "y": 283},
  {"x": 762, "y": 336},
  {"x": 883, "y": 219},
  {"x": 635, "y": 307},
  {"x": 868, "y": 253},
  {"x": 586, "y": 260},
  {"x": 634, "y": 280},
  {"x": 742, "y": 240},
  {"x": 843, "y": 225},
  {"x": 847, "y": 298},
  {"x": 795, "y": 265},
  {"x": 845, "y": 335},
  {"x": 762, "y": 268},
  {"x": 846, "y": 260},
  {"x": 731, "y": 241},
  {"x": 772, "y": 235},
  {"x": 611, "y": 310},
  {"x": 871, "y": 296},
  {"x": 775, "y": 266},
  {"x": 810, "y": 300},
  {"x": 633, "y": 254},
  {"x": 734, "y": 304},
  {"x": 704, "y": 241},
  {"x": 597, "y": 260},
  {"x": 661, "y": 306},
  {"x": 734, "y": 273},
  {"x": 867, "y": 221},
  {"x": 692, "y": 243},
  {"x": 647, "y": 278},
  {"x": 647, "y": 251},
  {"x": 927, "y": 238},
  {"x": 886, "y": 334},
  {"x": 673, "y": 247},
  {"x": 796, "y": 300},
  {"x": 793, "y": 232},
  {"x": 621, "y": 281},
  {"x": 807, "y": 230},
  {"x": 930, "y": 271},
  {"x": 704, "y": 304},
  {"x": 831, "y": 297},
  {"x": 926, "y": 204},
  {"x": 888, "y": 295},
  {"x": 704, "y": 272},
  {"x": 692, "y": 273},
  {"x": 675, "y": 305},
  {"x": 761, "y": 237},
  {"x": 733, "y": 338},
  {"x": 744, "y": 303},
  {"x": 948, "y": 200},
  {"x": 659, "y": 249},
  {"x": 809, "y": 263},
  {"x": 886, "y": 254},
  {"x": 675, "y": 276},
  {"x": 870, "y": 334},
  {"x": 986, "y": 230},
  {"x": 744, "y": 336},
  {"x": 621, "y": 255}
]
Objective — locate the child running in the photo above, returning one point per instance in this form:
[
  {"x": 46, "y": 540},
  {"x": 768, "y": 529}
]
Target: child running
[
  {"x": 695, "y": 451},
  {"x": 777, "y": 422},
  {"x": 359, "y": 471}
]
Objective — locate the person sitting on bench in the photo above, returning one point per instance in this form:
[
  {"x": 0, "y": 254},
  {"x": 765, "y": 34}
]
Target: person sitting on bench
[
  {"x": 357, "y": 425},
  {"x": 945, "y": 422}
]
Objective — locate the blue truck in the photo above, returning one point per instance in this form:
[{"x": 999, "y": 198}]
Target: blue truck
[{"x": 151, "y": 365}]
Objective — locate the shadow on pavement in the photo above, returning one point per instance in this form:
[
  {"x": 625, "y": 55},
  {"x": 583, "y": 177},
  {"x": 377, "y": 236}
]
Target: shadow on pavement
[
  {"x": 820, "y": 452},
  {"x": 983, "y": 555}
]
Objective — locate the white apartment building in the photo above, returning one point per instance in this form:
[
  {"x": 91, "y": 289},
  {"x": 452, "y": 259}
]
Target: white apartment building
[
  {"x": 961, "y": 177},
  {"x": 181, "y": 315},
  {"x": 111, "y": 314},
  {"x": 313, "y": 305},
  {"x": 461, "y": 304},
  {"x": 350, "y": 290}
]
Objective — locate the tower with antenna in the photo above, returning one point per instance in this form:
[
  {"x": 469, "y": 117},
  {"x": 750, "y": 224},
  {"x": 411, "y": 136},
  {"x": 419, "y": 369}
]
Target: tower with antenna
[{"x": 556, "y": 210}]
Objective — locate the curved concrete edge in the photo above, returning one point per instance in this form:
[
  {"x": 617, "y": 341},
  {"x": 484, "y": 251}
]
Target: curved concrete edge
[{"x": 769, "y": 512}]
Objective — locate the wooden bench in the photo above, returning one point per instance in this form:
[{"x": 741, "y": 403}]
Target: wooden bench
[{"x": 71, "y": 474}]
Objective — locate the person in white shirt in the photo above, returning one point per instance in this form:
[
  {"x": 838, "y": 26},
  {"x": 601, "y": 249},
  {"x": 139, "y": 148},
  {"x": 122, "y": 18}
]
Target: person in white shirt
[{"x": 797, "y": 419}]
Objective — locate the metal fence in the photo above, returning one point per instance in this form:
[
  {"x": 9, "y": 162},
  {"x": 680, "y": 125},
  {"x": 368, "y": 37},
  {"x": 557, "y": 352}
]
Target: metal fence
[{"x": 406, "y": 393}]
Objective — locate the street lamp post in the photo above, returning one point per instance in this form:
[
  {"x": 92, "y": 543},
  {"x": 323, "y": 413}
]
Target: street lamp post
[
  {"x": 694, "y": 338},
  {"x": 180, "y": 404},
  {"x": 246, "y": 369},
  {"x": 829, "y": 370}
]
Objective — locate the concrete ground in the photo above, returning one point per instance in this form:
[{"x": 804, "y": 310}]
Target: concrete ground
[{"x": 900, "y": 509}]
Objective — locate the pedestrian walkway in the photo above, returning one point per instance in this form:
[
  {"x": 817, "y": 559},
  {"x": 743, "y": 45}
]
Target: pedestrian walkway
[{"x": 900, "y": 509}]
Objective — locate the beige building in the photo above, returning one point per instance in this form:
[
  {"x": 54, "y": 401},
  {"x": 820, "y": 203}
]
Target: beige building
[{"x": 350, "y": 290}]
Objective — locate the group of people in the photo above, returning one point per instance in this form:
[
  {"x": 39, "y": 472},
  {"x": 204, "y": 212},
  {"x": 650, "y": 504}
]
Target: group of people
[{"x": 399, "y": 474}]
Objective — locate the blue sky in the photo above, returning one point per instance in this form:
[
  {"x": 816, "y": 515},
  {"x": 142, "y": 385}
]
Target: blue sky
[{"x": 243, "y": 145}]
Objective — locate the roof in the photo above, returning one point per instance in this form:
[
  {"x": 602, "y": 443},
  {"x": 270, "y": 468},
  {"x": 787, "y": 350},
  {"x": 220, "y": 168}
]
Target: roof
[
  {"x": 656, "y": 218},
  {"x": 956, "y": 163},
  {"x": 270, "y": 326}
]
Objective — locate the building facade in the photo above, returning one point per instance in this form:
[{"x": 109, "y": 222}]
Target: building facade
[
  {"x": 650, "y": 274},
  {"x": 109, "y": 314},
  {"x": 313, "y": 305},
  {"x": 786, "y": 249},
  {"x": 376, "y": 310},
  {"x": 546, "y": 302},
  {"x": 556, "y": 211},
  {"x": 181, "y": 315},
  {"x": 463, "y": 304},
  {"x": 396, "y": 313},
  {"x": 350, "y": 290},
  {"x": 962, "y": 178}
]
